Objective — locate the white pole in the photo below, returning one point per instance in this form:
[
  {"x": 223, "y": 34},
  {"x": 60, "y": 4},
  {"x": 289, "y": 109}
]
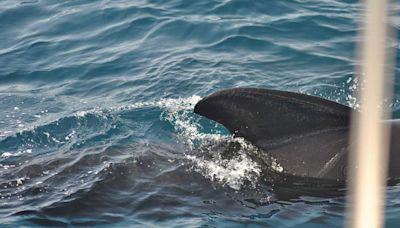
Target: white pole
[{"x": 368, "y": 157}]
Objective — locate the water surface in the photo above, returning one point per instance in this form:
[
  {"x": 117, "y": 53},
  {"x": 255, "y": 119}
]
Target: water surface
[{"x": 96, "y": 103}]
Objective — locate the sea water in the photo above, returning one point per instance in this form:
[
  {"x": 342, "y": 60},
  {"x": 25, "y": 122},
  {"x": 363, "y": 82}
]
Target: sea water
[{"x": 96, "y": 109}]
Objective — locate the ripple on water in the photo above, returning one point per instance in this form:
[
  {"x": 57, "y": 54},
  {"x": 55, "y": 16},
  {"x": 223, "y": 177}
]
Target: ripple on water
[{"x": 96, "y": 102}]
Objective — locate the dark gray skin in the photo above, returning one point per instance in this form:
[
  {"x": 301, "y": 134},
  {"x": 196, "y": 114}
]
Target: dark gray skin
[{"x": 309, "y": 136}]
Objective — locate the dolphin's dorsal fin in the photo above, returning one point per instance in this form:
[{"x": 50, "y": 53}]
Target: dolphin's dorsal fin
[{"x": 265, "y": 116}]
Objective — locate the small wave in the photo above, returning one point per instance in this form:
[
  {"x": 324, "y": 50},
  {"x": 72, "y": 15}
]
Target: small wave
[
  {"x": 75, "y": 130},
  {"x": 233, "y": 171}
]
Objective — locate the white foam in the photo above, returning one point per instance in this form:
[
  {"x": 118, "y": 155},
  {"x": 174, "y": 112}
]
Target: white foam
[
  {"x": 233, "y": 172},
  {"x": 6, "y": 154},
  {"x": 96, "y": 111},
  {"x": 276, "y": 166},
  {"x": 18, "y": 153}
]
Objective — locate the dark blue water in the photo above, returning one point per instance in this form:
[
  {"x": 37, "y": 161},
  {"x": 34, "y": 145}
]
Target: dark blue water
[{"x": 96, "y": 103}]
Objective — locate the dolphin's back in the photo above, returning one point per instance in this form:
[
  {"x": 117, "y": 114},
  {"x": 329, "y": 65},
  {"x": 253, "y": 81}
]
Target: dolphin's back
[
  {"x": 307, "y": 135},
  {"x": 269, "y": 117}
]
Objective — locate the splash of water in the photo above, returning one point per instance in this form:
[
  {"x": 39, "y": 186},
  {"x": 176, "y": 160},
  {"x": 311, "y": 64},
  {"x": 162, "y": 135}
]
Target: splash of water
[{"x": 234, "y": 171}]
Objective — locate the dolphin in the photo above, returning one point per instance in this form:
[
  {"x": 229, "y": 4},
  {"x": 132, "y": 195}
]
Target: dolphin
[{"x": 308, "y": 136}]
